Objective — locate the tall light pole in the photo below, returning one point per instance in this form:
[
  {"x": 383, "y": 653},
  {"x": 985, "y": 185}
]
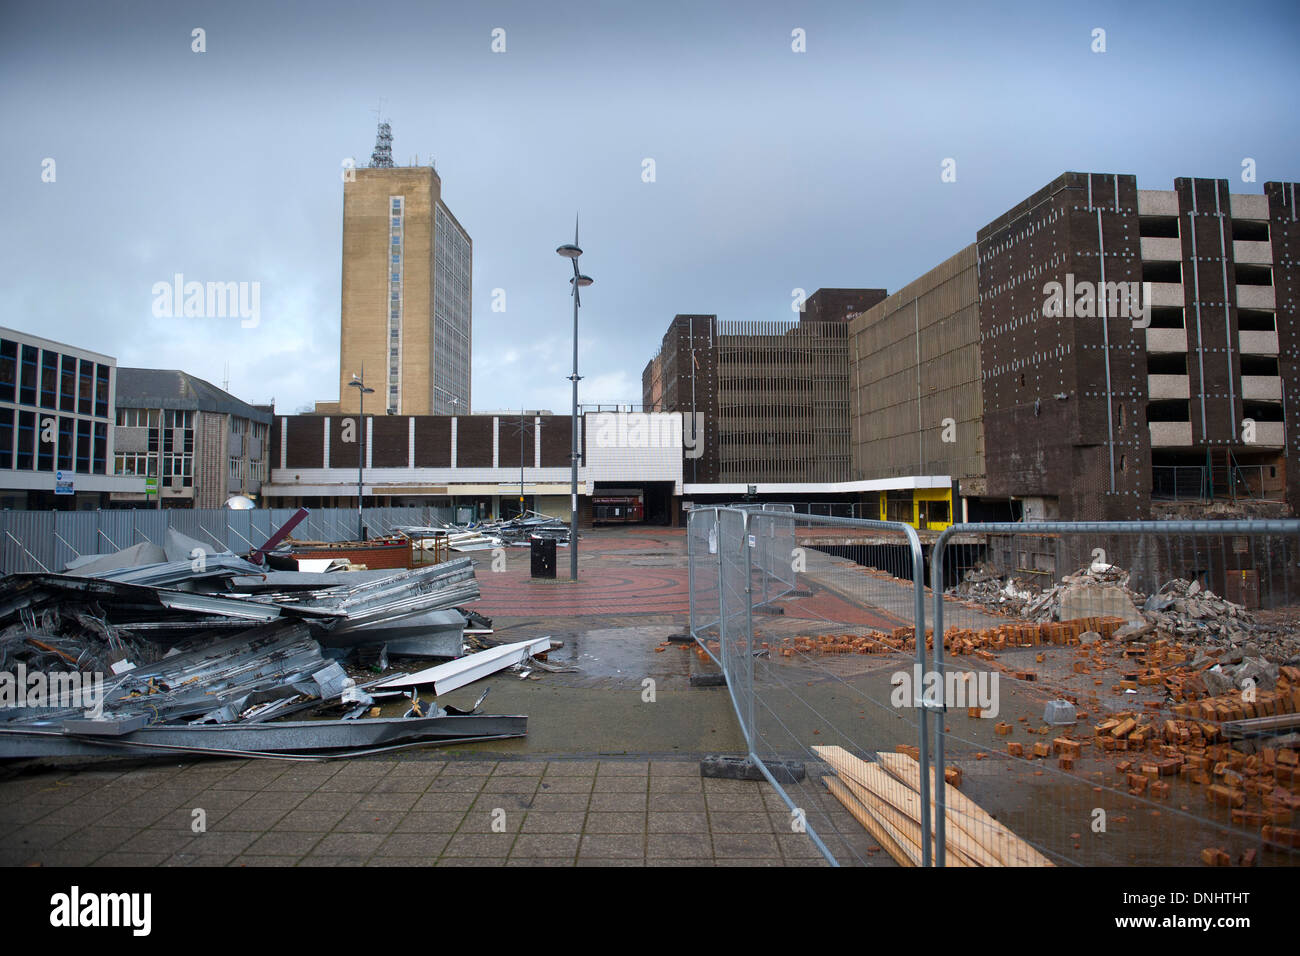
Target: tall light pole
[
  {"x": 360, "y": 386},
  {"x": 571, "y": 251}
]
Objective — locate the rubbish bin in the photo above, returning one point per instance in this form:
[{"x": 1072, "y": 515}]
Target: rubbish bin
[{"x": 543, "y": 555}]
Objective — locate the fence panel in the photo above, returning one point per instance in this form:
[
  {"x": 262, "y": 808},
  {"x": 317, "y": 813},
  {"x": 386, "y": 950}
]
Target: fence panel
[
  {"x": 702, "y": 564},
  {"x": 1142, "y": 687},
  {"x": 815, "y": 623}
]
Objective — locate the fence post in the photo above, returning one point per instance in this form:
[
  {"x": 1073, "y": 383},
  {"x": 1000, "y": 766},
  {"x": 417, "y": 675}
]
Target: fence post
[
  {"x": 918, "y": 700},
  {"x": 749, "y": 636},
  {"x": 722, "y": 597}
]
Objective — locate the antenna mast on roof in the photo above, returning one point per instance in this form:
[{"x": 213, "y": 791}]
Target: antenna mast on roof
[{"x": 382, "y": 157}]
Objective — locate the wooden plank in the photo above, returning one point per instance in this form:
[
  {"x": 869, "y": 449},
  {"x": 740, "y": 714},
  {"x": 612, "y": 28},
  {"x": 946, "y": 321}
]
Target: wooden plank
[
  {"x": 870, "y": 783},
  {"x": 873, "y": 826},
  {"x": 969, "y": 816},
  {"x": 997, "y": 839},
  {"x": 904, "y": 826}
]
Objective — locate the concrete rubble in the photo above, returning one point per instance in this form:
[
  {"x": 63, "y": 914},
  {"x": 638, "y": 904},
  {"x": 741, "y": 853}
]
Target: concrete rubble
[{"x": 1179, "y": 609}]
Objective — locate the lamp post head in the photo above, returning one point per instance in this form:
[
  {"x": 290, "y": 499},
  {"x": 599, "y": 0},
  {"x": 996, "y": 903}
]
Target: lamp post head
[
  {"x": 583, "y": 281},
  {"x": 569, "y": 251}
]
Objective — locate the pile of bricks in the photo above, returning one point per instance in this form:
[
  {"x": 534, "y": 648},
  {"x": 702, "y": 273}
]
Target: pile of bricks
[
  {"x": 1260, "y": 790},
  {"x": 873, "y": 642},
  {"x": 981, "y": 643}
]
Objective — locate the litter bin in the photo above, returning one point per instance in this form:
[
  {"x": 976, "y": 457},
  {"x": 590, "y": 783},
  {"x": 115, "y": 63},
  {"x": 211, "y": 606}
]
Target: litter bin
[{"x": 543, "y": 555}]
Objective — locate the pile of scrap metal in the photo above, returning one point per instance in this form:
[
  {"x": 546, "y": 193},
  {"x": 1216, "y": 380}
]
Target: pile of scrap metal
[
  {"x": 484, "y": 535},
  {"x": 208, "y": 653}
]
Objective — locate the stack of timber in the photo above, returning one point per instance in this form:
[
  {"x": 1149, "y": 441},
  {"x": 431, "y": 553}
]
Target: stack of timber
[{"x": 885, "y": 798}]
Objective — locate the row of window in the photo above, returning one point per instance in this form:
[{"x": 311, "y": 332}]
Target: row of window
[
  {"x": 146, "y": 464},
  {"x": 29, "y": 442},
  {"x": 33, "y": 376},
  {"x": 395, "y": 305},
  {"x": 142, "y": 464}
]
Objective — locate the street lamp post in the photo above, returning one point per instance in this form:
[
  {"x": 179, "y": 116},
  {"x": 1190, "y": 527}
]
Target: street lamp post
[
  {"x": 360, "y": 386},
  {"x": 572, "y": 252}
]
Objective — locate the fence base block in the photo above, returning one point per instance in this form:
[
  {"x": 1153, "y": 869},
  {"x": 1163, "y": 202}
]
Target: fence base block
[
  {"x": 707, "y": 679},
  {"x": 723, "y": 767}
]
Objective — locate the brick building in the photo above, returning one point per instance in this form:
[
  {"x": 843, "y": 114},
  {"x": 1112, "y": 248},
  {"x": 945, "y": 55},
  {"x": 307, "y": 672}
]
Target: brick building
[
  {"x": 405, "y": 326},
  {"x": 1134, "y": 353}
]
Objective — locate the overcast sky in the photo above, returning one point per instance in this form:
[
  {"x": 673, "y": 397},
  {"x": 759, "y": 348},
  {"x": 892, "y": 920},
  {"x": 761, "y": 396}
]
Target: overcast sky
[{"x": 773, "y": 169}]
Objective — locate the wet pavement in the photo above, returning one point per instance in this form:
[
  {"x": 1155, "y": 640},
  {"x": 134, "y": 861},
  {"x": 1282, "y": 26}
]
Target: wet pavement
[{"x": 609, "y": 771}]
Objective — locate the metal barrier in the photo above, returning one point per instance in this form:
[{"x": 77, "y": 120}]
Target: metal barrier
[
  {"x": 702, "y": 573},
  {"x": 840, "y": 582},
  {"x": 1177, "y": 482},
  {"x": 1142, "y": 692},
  {"x": 48, "y": 540}
]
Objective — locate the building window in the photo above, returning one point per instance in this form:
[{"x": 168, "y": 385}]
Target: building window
[
  {"x": 68, "y": 384},
  {"x": 83, "y": 446},
  {"x": 27, "y": 388},
  {"x": 66, "y": 440},
  {"x": 101, "y": 391},
  {"x": 6, "y": 438},
  {"x": 45, "y": 449},
  {"x": 8, "y": 369},
  {"x": 136, "y": 464},
  {"x": 99, "y": 454},
  {"x": 86, "y": 388},
  {"x": 49, "y": 379},
  {"x": 26, "y": 441}
]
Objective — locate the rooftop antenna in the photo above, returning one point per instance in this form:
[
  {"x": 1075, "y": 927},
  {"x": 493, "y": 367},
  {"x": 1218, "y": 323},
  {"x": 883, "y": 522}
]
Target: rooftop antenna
[
  {"x": 382, "y": 157},
  {"x": 225, "y": 378}
]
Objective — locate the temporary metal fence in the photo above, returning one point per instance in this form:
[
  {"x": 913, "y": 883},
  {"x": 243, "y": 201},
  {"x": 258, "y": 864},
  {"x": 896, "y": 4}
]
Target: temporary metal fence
[
  {"x": 1120, "y": 693},
  {"x": 48, "y": 540},
  {"x": 1142, "y": 684},
  {"x": 793, "y": 593}
]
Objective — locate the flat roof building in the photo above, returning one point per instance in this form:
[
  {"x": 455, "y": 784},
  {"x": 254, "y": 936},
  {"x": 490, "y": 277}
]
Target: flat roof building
[
  {"x": 57, "y": 406},
  {"x": 405, "y": 324}
]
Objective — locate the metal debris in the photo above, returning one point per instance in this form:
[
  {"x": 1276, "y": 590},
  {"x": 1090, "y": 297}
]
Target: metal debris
[{"x": 204, "y": 652}]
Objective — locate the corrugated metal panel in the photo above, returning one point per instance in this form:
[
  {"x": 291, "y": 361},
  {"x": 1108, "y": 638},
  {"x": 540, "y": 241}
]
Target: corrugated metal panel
[{"x": 48, "y": 540}]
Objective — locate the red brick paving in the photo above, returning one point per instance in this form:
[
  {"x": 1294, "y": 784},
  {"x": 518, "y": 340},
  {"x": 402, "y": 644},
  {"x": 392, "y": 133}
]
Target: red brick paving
[
  {"x": 513, "y": 593},
  {"x": 827, "y": 606}
]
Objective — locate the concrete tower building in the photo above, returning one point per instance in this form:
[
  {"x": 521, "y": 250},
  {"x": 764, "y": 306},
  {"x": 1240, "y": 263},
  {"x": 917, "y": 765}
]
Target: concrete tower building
[{"x": 405, "y": 324}]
